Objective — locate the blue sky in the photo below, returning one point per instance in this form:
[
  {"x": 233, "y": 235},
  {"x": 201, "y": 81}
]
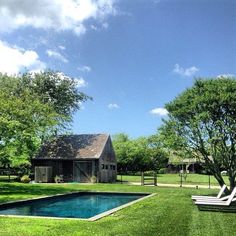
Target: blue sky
[{"x": 131, "y": 56}]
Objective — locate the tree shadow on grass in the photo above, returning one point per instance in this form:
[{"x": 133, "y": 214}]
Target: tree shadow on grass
[{"x": 20, "y": 191}]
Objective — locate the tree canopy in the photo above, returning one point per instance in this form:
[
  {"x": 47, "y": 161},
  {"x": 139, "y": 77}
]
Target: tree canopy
[
  {"x": 141, "y": 154},
  {"x": 33, "y": 107},
  {"x": 202, "y": 121}
]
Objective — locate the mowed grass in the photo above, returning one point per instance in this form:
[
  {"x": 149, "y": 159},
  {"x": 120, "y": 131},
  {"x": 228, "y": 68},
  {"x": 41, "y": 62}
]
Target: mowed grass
[
  {"x": 169, "y": 212},
  {"x": 5, "y": 178},
  {"x": 192, "y": 179}
]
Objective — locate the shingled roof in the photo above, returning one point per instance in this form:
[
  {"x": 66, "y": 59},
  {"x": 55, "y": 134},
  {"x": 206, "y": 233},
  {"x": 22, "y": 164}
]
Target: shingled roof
[{"x": 84, "y": 146}]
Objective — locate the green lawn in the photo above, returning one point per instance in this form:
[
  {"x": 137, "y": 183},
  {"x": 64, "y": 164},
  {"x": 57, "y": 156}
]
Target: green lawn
[
  {"x": 5, "y": 178},
  {"x": 192, "y": 179},
  {"x": 170, "y": 212}
]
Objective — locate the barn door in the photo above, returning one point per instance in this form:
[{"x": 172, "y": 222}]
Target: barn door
[
  {"x": 83, "y": 171},
  {"x": 43, "y": 174}
]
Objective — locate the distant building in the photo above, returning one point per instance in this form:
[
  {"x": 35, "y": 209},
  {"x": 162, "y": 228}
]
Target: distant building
[
  {"x": 77, "y": 158},
  {"x": 177, "y": 164}
]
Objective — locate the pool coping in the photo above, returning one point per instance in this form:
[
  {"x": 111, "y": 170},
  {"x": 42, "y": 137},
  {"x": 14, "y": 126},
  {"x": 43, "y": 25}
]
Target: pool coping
[{"x": 93, "y": 218}]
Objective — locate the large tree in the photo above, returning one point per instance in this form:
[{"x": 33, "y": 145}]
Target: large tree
[
  {"x": 202, "y": 121},
  {"x": 34, "y": 106},
  {"x": 55, "y": 89},
  {"x": 141, "y": 154},
  {"x": 23, "y": 121}
]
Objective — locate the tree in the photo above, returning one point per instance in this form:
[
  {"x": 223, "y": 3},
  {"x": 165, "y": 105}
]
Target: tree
[
  {"x": 59, "y": 91},
  {"x": 157, "y": 152},
  {"x": 202, "y": 121},
  {"x": 139, "y": 154},
  {"x": 121, "y": 142},
  {"x": 34, "y": 106},
  {"x": 23, "y": 120}
]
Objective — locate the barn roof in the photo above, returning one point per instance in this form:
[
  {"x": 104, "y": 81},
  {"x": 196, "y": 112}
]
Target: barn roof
[{"x": 83, "y": 146}]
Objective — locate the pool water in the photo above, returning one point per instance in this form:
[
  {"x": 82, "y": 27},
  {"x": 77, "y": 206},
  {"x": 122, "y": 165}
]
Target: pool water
[{"x": 84, "y": 205}]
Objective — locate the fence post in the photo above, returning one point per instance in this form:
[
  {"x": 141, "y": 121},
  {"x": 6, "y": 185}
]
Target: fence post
[
  {"x": 155, "y": 178},
  {"x": 181, "y": 179},
  {"x": 142, "y": 178},
  {"x": 209, "y": 181}
]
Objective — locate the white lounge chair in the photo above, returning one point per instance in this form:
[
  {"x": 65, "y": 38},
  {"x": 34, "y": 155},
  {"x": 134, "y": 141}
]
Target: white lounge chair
[
  {"x": 219, "y": 201},
  {"x": 219, "y": 205},
  {"x": 198, "y": 197}
]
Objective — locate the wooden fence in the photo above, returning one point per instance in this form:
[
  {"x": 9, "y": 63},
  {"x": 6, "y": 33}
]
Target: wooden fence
[{"x": 149, "y": 180}]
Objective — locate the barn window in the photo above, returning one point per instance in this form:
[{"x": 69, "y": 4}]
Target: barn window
[
  {"x": 106, "y": 166},
  {"x": 114, "y": 167},
  {"x": 103, "y": 166}
]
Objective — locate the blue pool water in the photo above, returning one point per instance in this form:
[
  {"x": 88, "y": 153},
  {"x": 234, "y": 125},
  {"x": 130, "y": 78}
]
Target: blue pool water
[{"x": 84, "y": 205}]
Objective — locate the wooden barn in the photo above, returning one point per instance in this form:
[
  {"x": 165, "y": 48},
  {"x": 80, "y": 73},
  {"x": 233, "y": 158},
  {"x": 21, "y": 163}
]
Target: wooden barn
[{"x": 77, "y": 158}]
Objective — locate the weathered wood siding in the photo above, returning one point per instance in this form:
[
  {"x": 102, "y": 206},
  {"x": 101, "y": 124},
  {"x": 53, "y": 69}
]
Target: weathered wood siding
[
  {"x": 59, "y": 167},
  {"x": 107, "y": 164}
]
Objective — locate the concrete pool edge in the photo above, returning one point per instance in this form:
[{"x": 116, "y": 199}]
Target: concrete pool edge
[
  {"x": 93, "y": 218},
  {"x": 109, "y": 212}
]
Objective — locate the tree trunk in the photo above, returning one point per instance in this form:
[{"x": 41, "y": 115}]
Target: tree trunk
[
  {"x": 222, "y": 182},
  {"x": 232, "y": 183}
]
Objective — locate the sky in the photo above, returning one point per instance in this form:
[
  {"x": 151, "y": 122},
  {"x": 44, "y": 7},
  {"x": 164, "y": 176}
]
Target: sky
[{"x": 131, "y": 56}]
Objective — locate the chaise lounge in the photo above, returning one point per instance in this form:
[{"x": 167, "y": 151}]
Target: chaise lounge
[
  {"x": 228, "y": 205},
  {"x": 198, "y": 197}
]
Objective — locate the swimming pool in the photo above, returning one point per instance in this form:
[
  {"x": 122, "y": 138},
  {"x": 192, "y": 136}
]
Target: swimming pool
[{"x": 83, "y": 205}]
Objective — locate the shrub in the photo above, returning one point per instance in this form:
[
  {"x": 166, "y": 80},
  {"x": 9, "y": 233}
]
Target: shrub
[
  {"x": 25, "y": 179},
  {"x": 23, "y": 169},
  {"x": 204, "y": 172},
  {"x": 93, "y": 179},
  {"x": 162, "y": 171},
  {"x": 58, "y": 179},
  {"x": 149, "y": 173}
]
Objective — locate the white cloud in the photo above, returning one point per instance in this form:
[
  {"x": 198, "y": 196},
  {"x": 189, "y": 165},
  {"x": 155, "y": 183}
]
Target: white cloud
[
  {"x": 185, "y": 72},
  {"x": 105, "y": 25},
  {"x": 84, "y": 68},
  {"x": 56, "y": 55},
  {"x": 61, "y": 47},
  {"x": 80, "y": 29},
  {"x": 113, "y": 106},
  {"x": 58, "y": 15},
  {"x": 81, "y": 82},
  {"x": 82, "y": 107},
  {"x": 100, "y": 27},
  {"x": 14, "y": 59},
  {"x": 225, "y": 76},
  {"x": 159, "y": 111},
  {"x": 94, "y": 27}
]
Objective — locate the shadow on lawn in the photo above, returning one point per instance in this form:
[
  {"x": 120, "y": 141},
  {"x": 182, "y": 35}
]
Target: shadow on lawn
[{"x": 28, "y": 189}]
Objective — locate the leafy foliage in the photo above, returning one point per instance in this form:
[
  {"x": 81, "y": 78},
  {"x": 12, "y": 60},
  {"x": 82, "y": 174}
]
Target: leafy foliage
[
  {"x": 23, "y": 121},
  {"x": 33, "y": 108},
  {"x": 25, "y": 179},
  {"x": 138, "y": 154},
  {"x": 202, "y": 121},
  {"x": 57, "y": 90}
]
